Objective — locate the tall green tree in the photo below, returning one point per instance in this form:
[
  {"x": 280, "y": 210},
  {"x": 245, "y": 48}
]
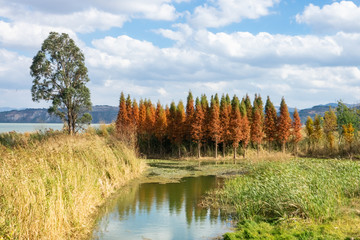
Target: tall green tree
[
  {"x": 247, "y": 102},
  {"x": 59, "y": 75},
  {"x": 346, "y": 115},
  {"x": 190, "y": 110}
]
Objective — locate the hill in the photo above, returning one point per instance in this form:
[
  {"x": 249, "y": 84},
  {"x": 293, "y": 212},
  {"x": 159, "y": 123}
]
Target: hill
[
  {"x": 101, "y": 113},
  {"x": 318, "y": 109}
]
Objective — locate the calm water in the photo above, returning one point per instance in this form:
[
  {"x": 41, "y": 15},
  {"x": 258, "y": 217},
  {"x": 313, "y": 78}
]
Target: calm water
[
  {"x": 163, "y": 211},
  {"x": 31, "y": 127}
]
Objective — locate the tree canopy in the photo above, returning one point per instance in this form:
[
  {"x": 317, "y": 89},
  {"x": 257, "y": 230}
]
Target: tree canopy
[{"x": 59, "y": 75}]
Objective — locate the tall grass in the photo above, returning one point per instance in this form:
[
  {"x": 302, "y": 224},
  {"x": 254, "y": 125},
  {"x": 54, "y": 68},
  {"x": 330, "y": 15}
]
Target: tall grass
[
  {"x": 51, "y": 189},
  {"x": 315, "y": 189}
]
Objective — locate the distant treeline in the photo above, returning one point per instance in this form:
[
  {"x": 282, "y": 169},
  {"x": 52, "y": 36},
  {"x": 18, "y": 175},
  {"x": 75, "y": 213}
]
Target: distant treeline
[
  {"x": 235, "y": 124},
  {"x": 231, "y": 125}
]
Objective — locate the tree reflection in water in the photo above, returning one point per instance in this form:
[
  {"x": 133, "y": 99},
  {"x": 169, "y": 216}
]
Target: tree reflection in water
[{"x": 164, "y": 211}]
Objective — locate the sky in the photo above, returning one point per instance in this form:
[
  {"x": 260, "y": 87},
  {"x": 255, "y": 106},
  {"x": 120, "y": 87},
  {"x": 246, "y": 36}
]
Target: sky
[{"x": 306, "y": 51}]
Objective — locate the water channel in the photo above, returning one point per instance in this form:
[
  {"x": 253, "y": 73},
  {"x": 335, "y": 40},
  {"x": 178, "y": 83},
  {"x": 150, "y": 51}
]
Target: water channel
[{"x": 163, "y": 211}]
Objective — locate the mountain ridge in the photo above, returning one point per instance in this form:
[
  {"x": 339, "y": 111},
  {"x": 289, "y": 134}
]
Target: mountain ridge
[{"x": 99, "y": 113}]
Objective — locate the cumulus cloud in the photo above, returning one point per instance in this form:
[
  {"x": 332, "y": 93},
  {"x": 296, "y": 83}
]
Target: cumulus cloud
[
  {"x": 220, "y": 13},
  {"x": 321, "y": 69},
  {"x": 27, "y": 35},
  {"x": 155, "y": 9},
  {"x": 338, "y": 16},
  {"x": 264, "y": 49},
  {"x": 14, "y": 70}
]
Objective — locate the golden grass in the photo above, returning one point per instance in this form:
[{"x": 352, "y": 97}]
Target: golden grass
[{"x": 51, "y": 189}]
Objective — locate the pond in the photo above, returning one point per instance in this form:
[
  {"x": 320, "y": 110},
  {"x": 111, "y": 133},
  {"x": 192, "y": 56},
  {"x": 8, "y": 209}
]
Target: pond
[{"x": 163, "y": 211}]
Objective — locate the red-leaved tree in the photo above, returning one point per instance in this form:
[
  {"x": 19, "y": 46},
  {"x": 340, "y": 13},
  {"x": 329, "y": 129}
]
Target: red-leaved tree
[{"x": 283, "y": 124}]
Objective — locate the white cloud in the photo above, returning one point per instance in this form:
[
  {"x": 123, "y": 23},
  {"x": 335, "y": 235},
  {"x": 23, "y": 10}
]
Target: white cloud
[
  {"x": 162, "y": 92},
  {"x": 14, "y": 70},
  {"x": 338, "y": 16},
  {"x": 154, "y": 9},
  {"x": 220, "y": 13},
  {"x": 28, "y": 35},
  {"x": 264, "y": 49}
]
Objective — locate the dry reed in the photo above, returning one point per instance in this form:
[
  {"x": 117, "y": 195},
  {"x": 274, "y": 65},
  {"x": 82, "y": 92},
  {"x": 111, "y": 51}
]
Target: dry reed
[{"x": 51, "y": 189}]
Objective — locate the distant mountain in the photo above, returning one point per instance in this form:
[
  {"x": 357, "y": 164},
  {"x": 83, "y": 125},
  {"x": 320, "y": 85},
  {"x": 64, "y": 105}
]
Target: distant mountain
[
  {"x": 102, "y": 113},
  {"x": 320, "y": 110},
  {"x": 5, "y": 109}
]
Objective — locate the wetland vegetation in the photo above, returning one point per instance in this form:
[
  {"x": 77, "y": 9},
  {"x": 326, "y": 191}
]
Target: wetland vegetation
[{"x": 51, "y": 184}]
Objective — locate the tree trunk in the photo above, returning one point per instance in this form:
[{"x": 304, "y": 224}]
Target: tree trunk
[
  {"x": 190, "y": 147},
  {"x": 199, "y": 149},
  {"x": 161, "y": 147},
  {"x": 257, "y": 149},
  {"x": 269, "y": 143},
  {"x": 234, "y": 154},
  {"x": 244, "y": 154},
  {"x": 224, "y": 148},
  {"x": 216, "y": 147},
  {"x": 283, "y": 147},
  {"x": 296, "y": 149},
  {"x": 179, "y": 148}
]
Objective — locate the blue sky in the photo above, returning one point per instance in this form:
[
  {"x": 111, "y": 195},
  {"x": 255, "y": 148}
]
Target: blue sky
[{"x": 307, "y": 51}]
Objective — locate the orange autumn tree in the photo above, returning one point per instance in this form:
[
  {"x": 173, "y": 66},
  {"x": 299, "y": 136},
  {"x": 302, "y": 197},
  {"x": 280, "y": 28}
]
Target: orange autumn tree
[
  {"x": 214, "y": 123},
  {"x": 283, "y": 124},
  {"x": 235, "y": 124},
  {"x": 296, "y": 132},
  {"x": 256, "y": 127},
  {"x": 149, "y": 122},
  {"x": 160, "y": 125},
  {"x": 205, "y": 128},
  {"x": 122, "y": 118},
  {"x": 224, "y": 123},
  {"x": 270, "y": 122},
  {"x": 197, "y": 125},
  {"x": 179, "y": 126},
  {"x": 135, "y": 109},
  {"x": 245, "y": 127},
  {"x": 171, "y": 132}
]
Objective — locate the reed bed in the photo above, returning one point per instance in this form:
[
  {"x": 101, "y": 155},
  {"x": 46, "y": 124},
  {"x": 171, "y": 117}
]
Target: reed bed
[
  {"x": 51, "y": 189},
  {"x": 315, "y": 189}
]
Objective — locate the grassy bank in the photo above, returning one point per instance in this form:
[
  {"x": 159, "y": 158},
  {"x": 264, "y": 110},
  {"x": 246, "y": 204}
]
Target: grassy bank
[
  {"x": 297, "y": 199},
  {"x": 51, "y": 189}
]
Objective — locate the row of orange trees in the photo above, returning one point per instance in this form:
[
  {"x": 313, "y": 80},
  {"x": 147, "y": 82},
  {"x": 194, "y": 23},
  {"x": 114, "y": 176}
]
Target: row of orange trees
[{"x": 223, "y": 122}]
